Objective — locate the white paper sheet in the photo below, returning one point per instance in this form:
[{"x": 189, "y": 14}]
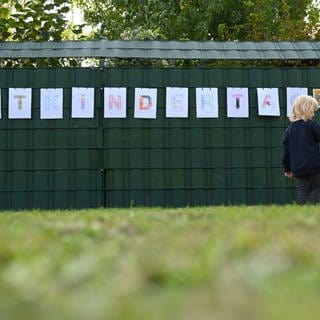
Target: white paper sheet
[
  {"x": 20, "y": 103},
  {"x": 145, "y": 105},
  {"x": 292, "y": 93},
  {"x": 207, "y": 102},
  {"x": 316, "y": 94},
  {"x": 177, "y": 102},
  {"x": 82, "y": 103},
  {"x": 237, "y": 103},
  {"x": 115, "y": 102},
  {"x": 268, "y": 102},
  {"x": 51, "y": 103}
]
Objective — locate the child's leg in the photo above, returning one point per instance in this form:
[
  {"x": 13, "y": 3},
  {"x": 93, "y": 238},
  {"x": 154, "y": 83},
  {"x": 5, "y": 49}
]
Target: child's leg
[
  {"x": 315, "y": 188},
  {"x": 303, "y": 189}
]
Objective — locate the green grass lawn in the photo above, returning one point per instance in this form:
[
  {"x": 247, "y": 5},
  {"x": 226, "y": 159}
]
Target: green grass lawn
[{"x": 225, "y": 263}]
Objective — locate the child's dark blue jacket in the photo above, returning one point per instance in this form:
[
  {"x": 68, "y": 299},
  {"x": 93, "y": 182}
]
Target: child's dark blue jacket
[{"x": 301, "y": 148}]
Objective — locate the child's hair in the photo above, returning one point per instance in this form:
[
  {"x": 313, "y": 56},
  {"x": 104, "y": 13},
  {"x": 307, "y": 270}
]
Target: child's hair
[{"x": 303, "y": 108}]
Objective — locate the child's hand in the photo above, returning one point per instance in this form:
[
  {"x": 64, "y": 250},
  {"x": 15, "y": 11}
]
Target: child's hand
[{"x": 288, "y": 174}]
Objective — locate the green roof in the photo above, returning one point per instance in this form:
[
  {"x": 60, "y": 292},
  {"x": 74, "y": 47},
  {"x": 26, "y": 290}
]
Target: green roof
[{"x": 216, "y": 50}]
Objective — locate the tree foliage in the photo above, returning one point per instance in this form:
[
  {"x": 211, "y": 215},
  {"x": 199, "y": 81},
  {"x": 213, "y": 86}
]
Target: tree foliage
[
  {"x": 203, "y": 19},
  {"x": 35, "y": 20}
]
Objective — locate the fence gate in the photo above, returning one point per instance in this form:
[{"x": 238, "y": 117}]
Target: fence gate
[{"x": 109, "y": 162}]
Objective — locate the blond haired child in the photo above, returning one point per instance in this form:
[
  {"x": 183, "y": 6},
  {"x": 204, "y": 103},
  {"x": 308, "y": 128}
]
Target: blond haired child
[{"x": 301, "y": 157}]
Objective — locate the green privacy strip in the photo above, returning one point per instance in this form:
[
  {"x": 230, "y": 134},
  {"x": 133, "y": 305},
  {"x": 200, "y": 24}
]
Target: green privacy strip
[{"x": 81, "y": 163}]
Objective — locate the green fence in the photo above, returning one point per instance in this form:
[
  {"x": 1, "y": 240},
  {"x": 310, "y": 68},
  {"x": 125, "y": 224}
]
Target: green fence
[{"x": 100, "y": 162}]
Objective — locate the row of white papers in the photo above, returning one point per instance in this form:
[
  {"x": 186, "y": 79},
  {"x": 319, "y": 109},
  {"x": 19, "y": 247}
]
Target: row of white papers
[{"x": 145, "y": 102}]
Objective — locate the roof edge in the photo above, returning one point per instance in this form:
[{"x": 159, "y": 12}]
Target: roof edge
[{"x": 161, "y": 49}]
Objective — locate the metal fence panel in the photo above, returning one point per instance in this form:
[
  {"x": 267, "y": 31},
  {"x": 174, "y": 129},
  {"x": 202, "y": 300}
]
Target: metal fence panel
[{"x": 80, "y": 163}]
